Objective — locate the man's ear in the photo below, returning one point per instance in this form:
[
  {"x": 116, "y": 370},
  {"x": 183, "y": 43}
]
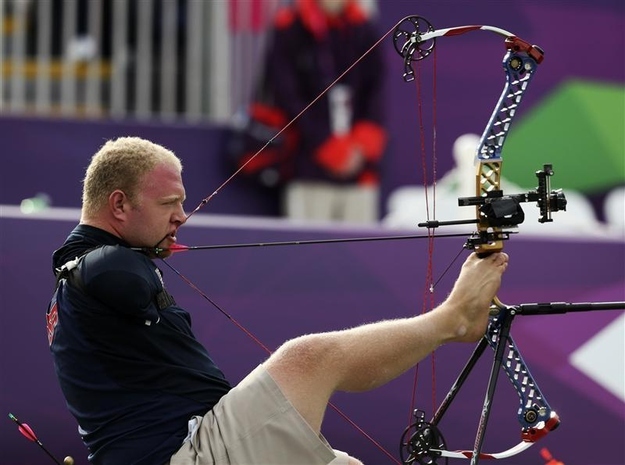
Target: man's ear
[{"x": 118, "y": 203}]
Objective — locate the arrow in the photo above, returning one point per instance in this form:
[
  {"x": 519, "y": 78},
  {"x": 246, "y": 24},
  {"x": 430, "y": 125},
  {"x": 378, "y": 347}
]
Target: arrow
[{"x": 29, "y": 434}]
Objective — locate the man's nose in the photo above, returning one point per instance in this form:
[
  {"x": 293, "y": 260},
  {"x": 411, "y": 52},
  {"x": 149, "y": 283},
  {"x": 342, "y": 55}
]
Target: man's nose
[{"x": 180, "y": 216}]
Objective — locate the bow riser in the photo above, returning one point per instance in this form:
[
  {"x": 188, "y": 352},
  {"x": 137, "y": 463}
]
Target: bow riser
[
  {"x": 520, "y": 69},
  {"x": 520, "y": 64}
]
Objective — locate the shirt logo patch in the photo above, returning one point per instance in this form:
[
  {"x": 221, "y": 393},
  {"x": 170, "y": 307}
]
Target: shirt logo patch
[{"x": 52, "y": 319}]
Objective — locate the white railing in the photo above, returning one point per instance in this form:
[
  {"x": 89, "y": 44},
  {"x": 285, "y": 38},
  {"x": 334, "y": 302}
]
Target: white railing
[{"x": 147, "y": 59}]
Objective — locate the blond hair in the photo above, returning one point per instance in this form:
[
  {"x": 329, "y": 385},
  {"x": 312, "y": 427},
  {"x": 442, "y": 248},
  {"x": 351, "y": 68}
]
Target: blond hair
[{"x": 121, "y": 164}]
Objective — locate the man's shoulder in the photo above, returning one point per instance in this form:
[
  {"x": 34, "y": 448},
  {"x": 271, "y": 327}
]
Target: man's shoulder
[
  {"x": 107, "y": 259},
  {"x": 118, "y": 255}
]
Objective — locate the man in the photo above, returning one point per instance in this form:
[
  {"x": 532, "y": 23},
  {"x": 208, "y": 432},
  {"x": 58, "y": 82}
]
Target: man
[{"x": 145, "y": 391}]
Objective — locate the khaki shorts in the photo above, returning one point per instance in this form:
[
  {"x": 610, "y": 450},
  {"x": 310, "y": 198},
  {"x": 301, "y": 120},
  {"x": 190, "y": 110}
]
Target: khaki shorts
[{"x": 255, "y": 424}]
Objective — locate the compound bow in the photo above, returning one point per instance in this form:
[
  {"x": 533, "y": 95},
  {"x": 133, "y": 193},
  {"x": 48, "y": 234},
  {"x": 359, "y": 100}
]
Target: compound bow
[{"x": 422, "y": 442}]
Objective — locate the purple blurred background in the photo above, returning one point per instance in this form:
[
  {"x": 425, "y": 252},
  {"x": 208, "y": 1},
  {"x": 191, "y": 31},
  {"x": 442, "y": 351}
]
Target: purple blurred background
[{"x": 281, "y": 292}]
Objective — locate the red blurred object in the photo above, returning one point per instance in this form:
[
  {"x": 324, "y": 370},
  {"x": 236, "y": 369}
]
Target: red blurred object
[
  {"x": 549, "y": 460},
  {"x": 250, "y": 15}
]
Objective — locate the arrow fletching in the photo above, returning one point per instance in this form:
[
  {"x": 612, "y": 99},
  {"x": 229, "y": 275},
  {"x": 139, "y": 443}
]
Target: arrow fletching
[
  {"x": 23, "y": 428},
  {"x": 27, "y": 432}
]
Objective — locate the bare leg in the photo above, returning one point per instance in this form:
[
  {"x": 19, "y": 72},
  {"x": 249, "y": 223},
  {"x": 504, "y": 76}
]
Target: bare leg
[{"x": 310, "y": 368}]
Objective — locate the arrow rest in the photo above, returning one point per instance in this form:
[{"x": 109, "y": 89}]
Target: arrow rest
[{"x": 484, "y": 238}]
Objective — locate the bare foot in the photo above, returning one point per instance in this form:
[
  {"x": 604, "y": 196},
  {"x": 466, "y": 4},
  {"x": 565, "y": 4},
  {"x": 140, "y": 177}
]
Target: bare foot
[{"x": 469, "y": 301}]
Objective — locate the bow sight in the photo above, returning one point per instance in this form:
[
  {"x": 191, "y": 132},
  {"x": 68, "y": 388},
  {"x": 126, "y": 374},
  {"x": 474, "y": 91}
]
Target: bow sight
[
  {"x": 504, "y": 211},
  {"x": 500, "y": 211}
]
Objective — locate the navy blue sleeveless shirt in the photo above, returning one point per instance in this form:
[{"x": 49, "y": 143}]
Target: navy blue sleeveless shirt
[{"x": 129, "y": 366}]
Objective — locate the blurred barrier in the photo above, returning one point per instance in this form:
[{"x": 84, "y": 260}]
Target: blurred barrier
[{"x": 149, "y": 59}]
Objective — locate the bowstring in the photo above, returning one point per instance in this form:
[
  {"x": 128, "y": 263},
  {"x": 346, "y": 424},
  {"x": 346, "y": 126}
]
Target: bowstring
[
  {"x": 430, "y": 208},
  {"x": 430, "y": 283}
]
